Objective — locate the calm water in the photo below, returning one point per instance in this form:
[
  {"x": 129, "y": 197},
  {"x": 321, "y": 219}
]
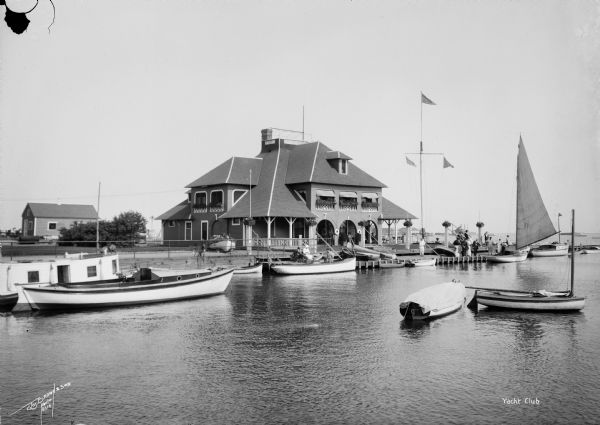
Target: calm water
[{"x": 318, "y": 349}]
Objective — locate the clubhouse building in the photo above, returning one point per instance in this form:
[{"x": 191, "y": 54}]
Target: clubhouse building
[{"x": 293, "y": 191}]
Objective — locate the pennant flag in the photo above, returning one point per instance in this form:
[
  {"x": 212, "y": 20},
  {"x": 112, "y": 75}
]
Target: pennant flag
[
  {"x": 409, "y": 162},
  {"x": 447, "y": 164},
  {"x": 426, "y": 100}
]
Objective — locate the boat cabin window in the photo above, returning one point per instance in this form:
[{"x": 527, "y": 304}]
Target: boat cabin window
[
  {"x": 33, "y": 277},
  {"x": 91, "y": 271},
  {"x": 114, "y": 266}
]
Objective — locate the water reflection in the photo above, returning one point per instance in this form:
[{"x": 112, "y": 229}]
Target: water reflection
[{"x": 414, "y": 329}]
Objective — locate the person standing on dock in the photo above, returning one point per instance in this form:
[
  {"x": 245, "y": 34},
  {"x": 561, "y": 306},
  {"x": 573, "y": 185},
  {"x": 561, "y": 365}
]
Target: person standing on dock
[
  {"x": 422, "y": 247},
  {"x": 475, "y": 247}
]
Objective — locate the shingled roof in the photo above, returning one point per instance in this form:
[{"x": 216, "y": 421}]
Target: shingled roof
[
  {"x": 63, "y": 211},
  {"x": 309, "y": 163},
  {"x": 270, "y": 197},
  {"x": 180, "y": 211},
  {"x": 391, "y": 211},
  {"x": 236, "y": 170}
]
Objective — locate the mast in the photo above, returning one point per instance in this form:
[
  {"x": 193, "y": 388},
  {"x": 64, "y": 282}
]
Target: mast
[
  {"x": 98, "y": 220},
  {"x": 572, "y": 292}
]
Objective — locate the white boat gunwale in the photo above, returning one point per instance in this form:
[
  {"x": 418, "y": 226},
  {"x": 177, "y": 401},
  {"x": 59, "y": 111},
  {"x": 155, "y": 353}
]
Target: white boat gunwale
[{"x": 160, "y": 283}]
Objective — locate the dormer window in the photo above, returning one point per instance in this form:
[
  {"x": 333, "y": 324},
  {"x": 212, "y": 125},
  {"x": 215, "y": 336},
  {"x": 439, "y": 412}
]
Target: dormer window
[{"x": 338, "y": 160}]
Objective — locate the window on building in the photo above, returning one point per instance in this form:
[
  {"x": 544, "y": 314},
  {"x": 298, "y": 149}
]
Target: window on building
[
  {"x": 237, "y": 194},
  {"x": 343, "y": 166},
  {"x": 216, "y": 199},
  {"x": 235, "y": 221},
  {"x": 325, "y": 199},
  {"x": 171, "y": 223},
  {"x": 301, "y": 194},
  {"x": 91, "y": 271},
  {"x": 200, "y": 200},
  {"x": 33, "y": 277},
  {"x": 51, "y": 225},
  {"x": 189, "y": 197},
  {"x": 348, "y": 201}
]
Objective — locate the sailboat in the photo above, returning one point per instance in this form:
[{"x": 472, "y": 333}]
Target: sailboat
[
  {"x": 533, "y": 222},
  {"x": 533, "y": 301}
]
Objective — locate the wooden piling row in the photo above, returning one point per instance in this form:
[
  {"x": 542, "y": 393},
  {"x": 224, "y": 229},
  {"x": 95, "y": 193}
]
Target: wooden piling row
[{"x": 440, "y": 261}]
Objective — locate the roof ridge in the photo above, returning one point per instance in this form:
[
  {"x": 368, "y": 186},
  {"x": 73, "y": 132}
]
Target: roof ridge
[
  {"x": 273, "y": 182},
  {"x": 314, "y": 162},
  {"x": 230, "y": 168}
]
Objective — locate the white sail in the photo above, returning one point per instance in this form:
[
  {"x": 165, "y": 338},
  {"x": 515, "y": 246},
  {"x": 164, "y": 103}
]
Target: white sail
[{"x": 533, "y": 221}]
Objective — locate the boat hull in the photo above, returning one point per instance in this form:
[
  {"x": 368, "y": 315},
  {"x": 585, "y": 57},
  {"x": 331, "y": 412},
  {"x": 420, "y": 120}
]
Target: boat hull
[
  {"x": 433, "y": 302},
  {"x": 421, "y": 262},
  {"x": 509, "y": 258},
  {"x": 549, "y": 253},
  {"x": 530, "y": 302},
  {"x": 46, "y": 297},
  {"x": 590, "y": 251},
  {"x": 225, "y": 245},
  {"x": 8, "y": 301},
  {"x": 552, "y": 250},
  {"x": 256, "y": 269},
  {"x": 345, "y": 265}
]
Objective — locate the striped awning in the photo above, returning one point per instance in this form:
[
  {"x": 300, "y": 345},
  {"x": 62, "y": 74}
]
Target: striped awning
[
  {"x": 369, "y": 195},
  {"x": 326, "y": 193},
  {"x": 348, "y": 195}
]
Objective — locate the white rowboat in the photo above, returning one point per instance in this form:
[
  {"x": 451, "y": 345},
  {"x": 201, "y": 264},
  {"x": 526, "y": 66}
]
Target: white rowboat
[
  {"x": 255, "y": 269},
  {"x": 345, "y": 265},
  {"x": 434, "y": 301}
]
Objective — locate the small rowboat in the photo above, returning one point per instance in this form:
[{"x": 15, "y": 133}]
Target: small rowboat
[
  {"x": 433, "y": 302},
  {"x": 507, "y": 258},
  {"x": 252, "y": 269},
  {"x": 345, "y": 265},
  {"x": 223, "y": 244},
  {"x": 591, "y": 250},
  {"x": 424, "y": 262}
]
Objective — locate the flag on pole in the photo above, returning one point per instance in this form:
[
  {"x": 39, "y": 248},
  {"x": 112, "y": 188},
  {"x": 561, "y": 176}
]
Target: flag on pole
[
  {"x": 409, "y": 162},
  {"x": 447, "y": 164},
  {"x": 426, "y": 100}
]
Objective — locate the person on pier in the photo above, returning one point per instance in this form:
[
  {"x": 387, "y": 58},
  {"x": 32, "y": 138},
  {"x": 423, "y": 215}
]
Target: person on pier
[{"x": 422, "y": 247}]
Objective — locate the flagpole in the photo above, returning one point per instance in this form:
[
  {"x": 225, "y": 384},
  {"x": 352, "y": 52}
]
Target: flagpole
[{"x": 421, "y": 171}]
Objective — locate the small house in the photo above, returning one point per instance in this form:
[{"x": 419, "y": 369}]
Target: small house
[{"x": 46, "y": 220}]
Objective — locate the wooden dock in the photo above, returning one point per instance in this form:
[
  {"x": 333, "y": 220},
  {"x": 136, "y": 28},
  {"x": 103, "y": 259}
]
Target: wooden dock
[{"x": 440, "y": 261}]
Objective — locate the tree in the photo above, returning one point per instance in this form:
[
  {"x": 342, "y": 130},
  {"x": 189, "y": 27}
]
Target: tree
[
  {"x": 408, "y": 224},
  {"x": 125, "y": 229},
  {"x": 479, "y": 225},
  {"x": 128, "y": 226},
  {"x": 446, "y": 224}
]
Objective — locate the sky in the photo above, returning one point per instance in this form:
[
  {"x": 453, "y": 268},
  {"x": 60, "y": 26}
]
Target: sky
[{"x": 146, "y": 96}]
